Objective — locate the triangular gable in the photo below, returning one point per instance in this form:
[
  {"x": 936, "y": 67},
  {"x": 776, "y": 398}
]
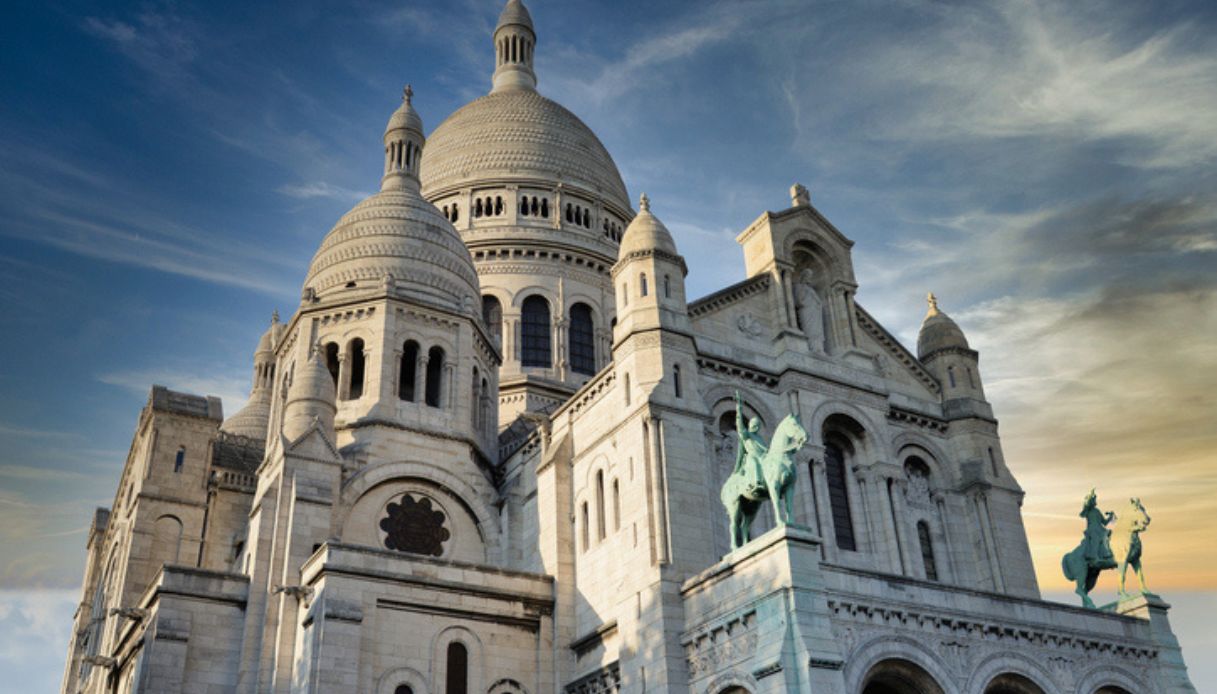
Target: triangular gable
[{"x": 886, "y": 343}]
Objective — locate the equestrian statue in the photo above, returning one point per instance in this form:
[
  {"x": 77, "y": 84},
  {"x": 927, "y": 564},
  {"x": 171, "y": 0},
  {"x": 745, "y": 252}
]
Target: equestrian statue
[
  {"x": 761, "y": 472},
  {"x": 1094, "y": 555}
]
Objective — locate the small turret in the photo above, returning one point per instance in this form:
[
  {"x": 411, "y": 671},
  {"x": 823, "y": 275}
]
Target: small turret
[
  {"x": 943, "y": 349},
  {"x": 403, "y": 146},
  {"x": 310, "y": 398},
  {"x": 252, "y": 420},
  {"x": 649, "y": 277},
  {"x": 514, "y": 40}
]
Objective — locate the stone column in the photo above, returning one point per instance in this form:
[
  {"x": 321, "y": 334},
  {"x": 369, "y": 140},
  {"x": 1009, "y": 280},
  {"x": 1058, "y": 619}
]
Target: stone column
[
  {"x": 824, "y": 506},
  {"x": 420, "y": 377},
  {"x": 900, "y": 515},
  {"x": 395, "y": 373},
  {"x": 344, "y": 375},
  {"x": 510, "y": 338},
  {"x": 447, "y": 396},
  {"x": 940, "y": 505},
  {"x": 860, "y": 499},
  {"x": 558, "y": 343}
]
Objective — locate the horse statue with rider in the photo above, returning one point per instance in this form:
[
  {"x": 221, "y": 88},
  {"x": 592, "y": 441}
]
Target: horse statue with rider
[
  {"x": 762, "y": 472},
  {"x": 1102, "y": 548}
]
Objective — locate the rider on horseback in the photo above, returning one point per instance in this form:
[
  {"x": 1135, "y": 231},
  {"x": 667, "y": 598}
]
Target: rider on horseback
[
  {"x": 1097, "y": 539},
  {"x": 751, "y": 449}
]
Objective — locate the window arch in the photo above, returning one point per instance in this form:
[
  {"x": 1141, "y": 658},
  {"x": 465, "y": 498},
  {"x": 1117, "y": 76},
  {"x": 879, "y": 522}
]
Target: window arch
[
  {"x": 492, "y": 316},
  {"x": 475, "y": 401},
  {"x": 403, "y": 689},
  {"x": 167, "y": 541},
  {"x": 544, "y": 208},
  {"x": 458, "y": 669},
  {"x": 435, "y": 376},
  {"x": 407, "y": 374},
  {"x": 582, "y": 340},
  {"x": 331, "y": 361},
  {"x": 616, "y": 504},
  {"x": 838, "y": 492},
  {"x": 585, "y": 534},
  {"x": 667, "y": 286},
  {"x": 535, "y": 342},
  {"x": 524, "y": 206},
  {"x": 642, "y": 283},
  {"x": 676, "y": 379},
  {"x": 179, "y": 460},
  {"x": 358, "y": 364},
  {"x": 927, "y": 551},
  {"x": 951, "y": 375},
  {"x": 601, "y": 520}
]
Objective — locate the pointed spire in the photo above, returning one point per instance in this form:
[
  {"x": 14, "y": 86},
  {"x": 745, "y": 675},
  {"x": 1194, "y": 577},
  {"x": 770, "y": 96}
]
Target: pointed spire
[{"x": 514, "y": 42}]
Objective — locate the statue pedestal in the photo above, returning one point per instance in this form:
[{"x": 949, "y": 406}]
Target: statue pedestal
[
  {"x": 757, "y": 619},
  {"x": 1153, "y": 609}
]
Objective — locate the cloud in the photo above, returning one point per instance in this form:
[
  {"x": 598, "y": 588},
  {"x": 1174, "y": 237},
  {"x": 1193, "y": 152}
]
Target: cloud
[
  {"x": 320, "y": 189},
  {"x": 233, "y": 391}
]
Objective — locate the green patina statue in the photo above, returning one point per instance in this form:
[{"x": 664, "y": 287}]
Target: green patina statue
[
  {"x": 1126, "y": 542},
  {"x": 1094, "y": 555},
  {"x": 1084, "y": 563},
  {"x": 761, "y": 472}
]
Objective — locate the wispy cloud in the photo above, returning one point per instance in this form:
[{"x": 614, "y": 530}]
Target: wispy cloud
[
  {"x": 320, "y": 189},
  {"x": 232, "y": 390}
]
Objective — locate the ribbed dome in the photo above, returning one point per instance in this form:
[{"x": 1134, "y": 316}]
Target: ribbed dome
[
  {"x": 518, "y": 134},
  {"x": 938, "y": 332},
  {"x": 251, "y": 420},
  {"x": 646, "y": 233},
  {"x": 514, "y": 12},
  {"x": 398, "y": 233}
]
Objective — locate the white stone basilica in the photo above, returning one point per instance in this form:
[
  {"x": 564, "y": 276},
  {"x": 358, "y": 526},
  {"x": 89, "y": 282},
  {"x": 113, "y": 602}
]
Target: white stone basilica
[{"x": 484, "y": 456}]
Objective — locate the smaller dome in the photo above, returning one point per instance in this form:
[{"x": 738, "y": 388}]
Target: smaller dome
[
  {"x": 405, "y": 117},
  {"x": 270, "y": 339},
  {"x": 514, "y": 12},
  {"x": 646, "y": 233},
  {"x": 250, "y": 421},
  {"x": 938, "y": 332}
]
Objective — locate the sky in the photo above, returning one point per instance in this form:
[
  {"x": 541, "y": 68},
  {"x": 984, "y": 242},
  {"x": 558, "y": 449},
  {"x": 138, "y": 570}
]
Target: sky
[{"x": 167, "y": 170}]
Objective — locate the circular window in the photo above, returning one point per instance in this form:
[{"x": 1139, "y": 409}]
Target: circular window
[{"x": 412, "y": 524}]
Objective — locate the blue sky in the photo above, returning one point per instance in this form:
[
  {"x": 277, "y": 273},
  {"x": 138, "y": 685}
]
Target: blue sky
[{"x": 168, "y": 169}]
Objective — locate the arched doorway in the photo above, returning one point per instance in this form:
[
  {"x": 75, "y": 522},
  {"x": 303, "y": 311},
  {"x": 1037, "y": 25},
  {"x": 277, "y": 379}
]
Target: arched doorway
[
  {"x": 898, "y": 676},
  {"x": 1112, "y": 689},
  {"x": 1010, "y": 683}
]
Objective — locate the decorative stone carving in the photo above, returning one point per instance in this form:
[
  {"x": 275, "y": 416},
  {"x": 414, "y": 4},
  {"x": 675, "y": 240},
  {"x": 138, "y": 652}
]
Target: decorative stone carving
[
  {"x": 722, "y": 646},
  {"x": 750, "y": 326},
  {"x": 412, "y": 525}
]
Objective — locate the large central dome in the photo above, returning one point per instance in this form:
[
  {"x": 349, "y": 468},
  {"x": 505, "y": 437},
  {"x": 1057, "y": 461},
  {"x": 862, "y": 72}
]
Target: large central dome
[{"x": 518, "y": 135}]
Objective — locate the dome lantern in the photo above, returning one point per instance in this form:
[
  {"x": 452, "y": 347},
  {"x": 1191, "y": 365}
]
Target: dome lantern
[
  {"x": 403, "y": 146},
  {"x": 514, "y": 41}
]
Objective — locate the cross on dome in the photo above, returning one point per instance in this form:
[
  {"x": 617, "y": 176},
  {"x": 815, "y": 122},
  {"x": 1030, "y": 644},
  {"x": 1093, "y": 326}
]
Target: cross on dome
[
  {"x": 933, "y": 302},
  {"x": 644, "y": 203},
  {"x": 407, "y": 93}
]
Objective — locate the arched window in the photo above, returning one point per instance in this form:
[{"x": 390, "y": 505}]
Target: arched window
[
  {"x": 475, "y": 409},
  {"x": 331, "y": 361},
  {"x": 544, "y": 208},
  {"x": 586, "y": 536},
  {"x": 180, "y": 459},
  {"x": 667, "y": 286},
  {"x": 570, "y": 214},
  {"x": 838, "y": 495},
  {"x": 484, "y": 403},
  {"x": 601, "y": 522},
  {"x": 355, "y": 355},
  {"x": 456, "y": 213},
  {"x": 166, "y": 540},
  {"x": 582, "y": 340},
  {"x": 407, "y": 374},
  {"x": 492, "y": 317},
  {"x": 951, "y": 375},
  {"x": 498, "y": 205},
  {"x": 993, "y": 462},
  {"x": 524, "y": 207},
  {"x": 642, "y": 284},
  {"x": 616, "y": 504},
  {"x": 435, "y": 375},
  {"x": 458, "y": 669},
  {"x": 403, "y": 689},
  {"x": 533, "y": 209},
  {"x": 927, "y": 551},
  {"x": 676, "y": 379},
  {"x": 535, "y": 349},
  {"x": 477, "y": 208},
  {"x": 971, "y": 378}
]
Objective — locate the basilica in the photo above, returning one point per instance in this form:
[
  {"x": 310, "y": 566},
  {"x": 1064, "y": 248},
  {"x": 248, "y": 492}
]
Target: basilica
[{"x": 484, "y": 456}]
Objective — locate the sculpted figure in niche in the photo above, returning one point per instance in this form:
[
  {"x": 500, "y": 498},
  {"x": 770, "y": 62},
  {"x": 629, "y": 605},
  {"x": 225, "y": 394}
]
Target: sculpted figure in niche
[{"x": 810, "y": 309}]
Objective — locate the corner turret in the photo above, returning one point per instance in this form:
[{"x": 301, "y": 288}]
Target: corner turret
[{"x": 944, "y": 350}]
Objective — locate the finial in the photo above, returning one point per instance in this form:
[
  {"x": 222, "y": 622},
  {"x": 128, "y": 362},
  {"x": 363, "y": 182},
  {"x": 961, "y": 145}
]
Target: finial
[
  {"x": 407, "y": 93},
  {"x": 274, "y": 317},
  {"x": 933, "y": 302},
  {"x": 799, "y": 197},
  {"x": 644, "y": 203}
]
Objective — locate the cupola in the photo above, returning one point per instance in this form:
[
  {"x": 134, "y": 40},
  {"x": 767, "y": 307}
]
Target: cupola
[
  {"x": 649, "y": 277},
  {"x": 514, "y": 41},
  {"x": 938, "y": 332},
  {"x": 944, "y": 351},
  {"x": 403, "y": 146},
  {"x": 252, "y": 420}
]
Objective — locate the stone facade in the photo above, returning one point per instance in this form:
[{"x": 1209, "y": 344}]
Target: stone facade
[{"x": 485, "y": 455}]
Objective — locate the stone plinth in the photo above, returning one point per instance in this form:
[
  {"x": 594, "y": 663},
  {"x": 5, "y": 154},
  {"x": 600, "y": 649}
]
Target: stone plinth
[
  {"x": 758, "y": 619},
  {"x": 1153, "y": 609}
]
